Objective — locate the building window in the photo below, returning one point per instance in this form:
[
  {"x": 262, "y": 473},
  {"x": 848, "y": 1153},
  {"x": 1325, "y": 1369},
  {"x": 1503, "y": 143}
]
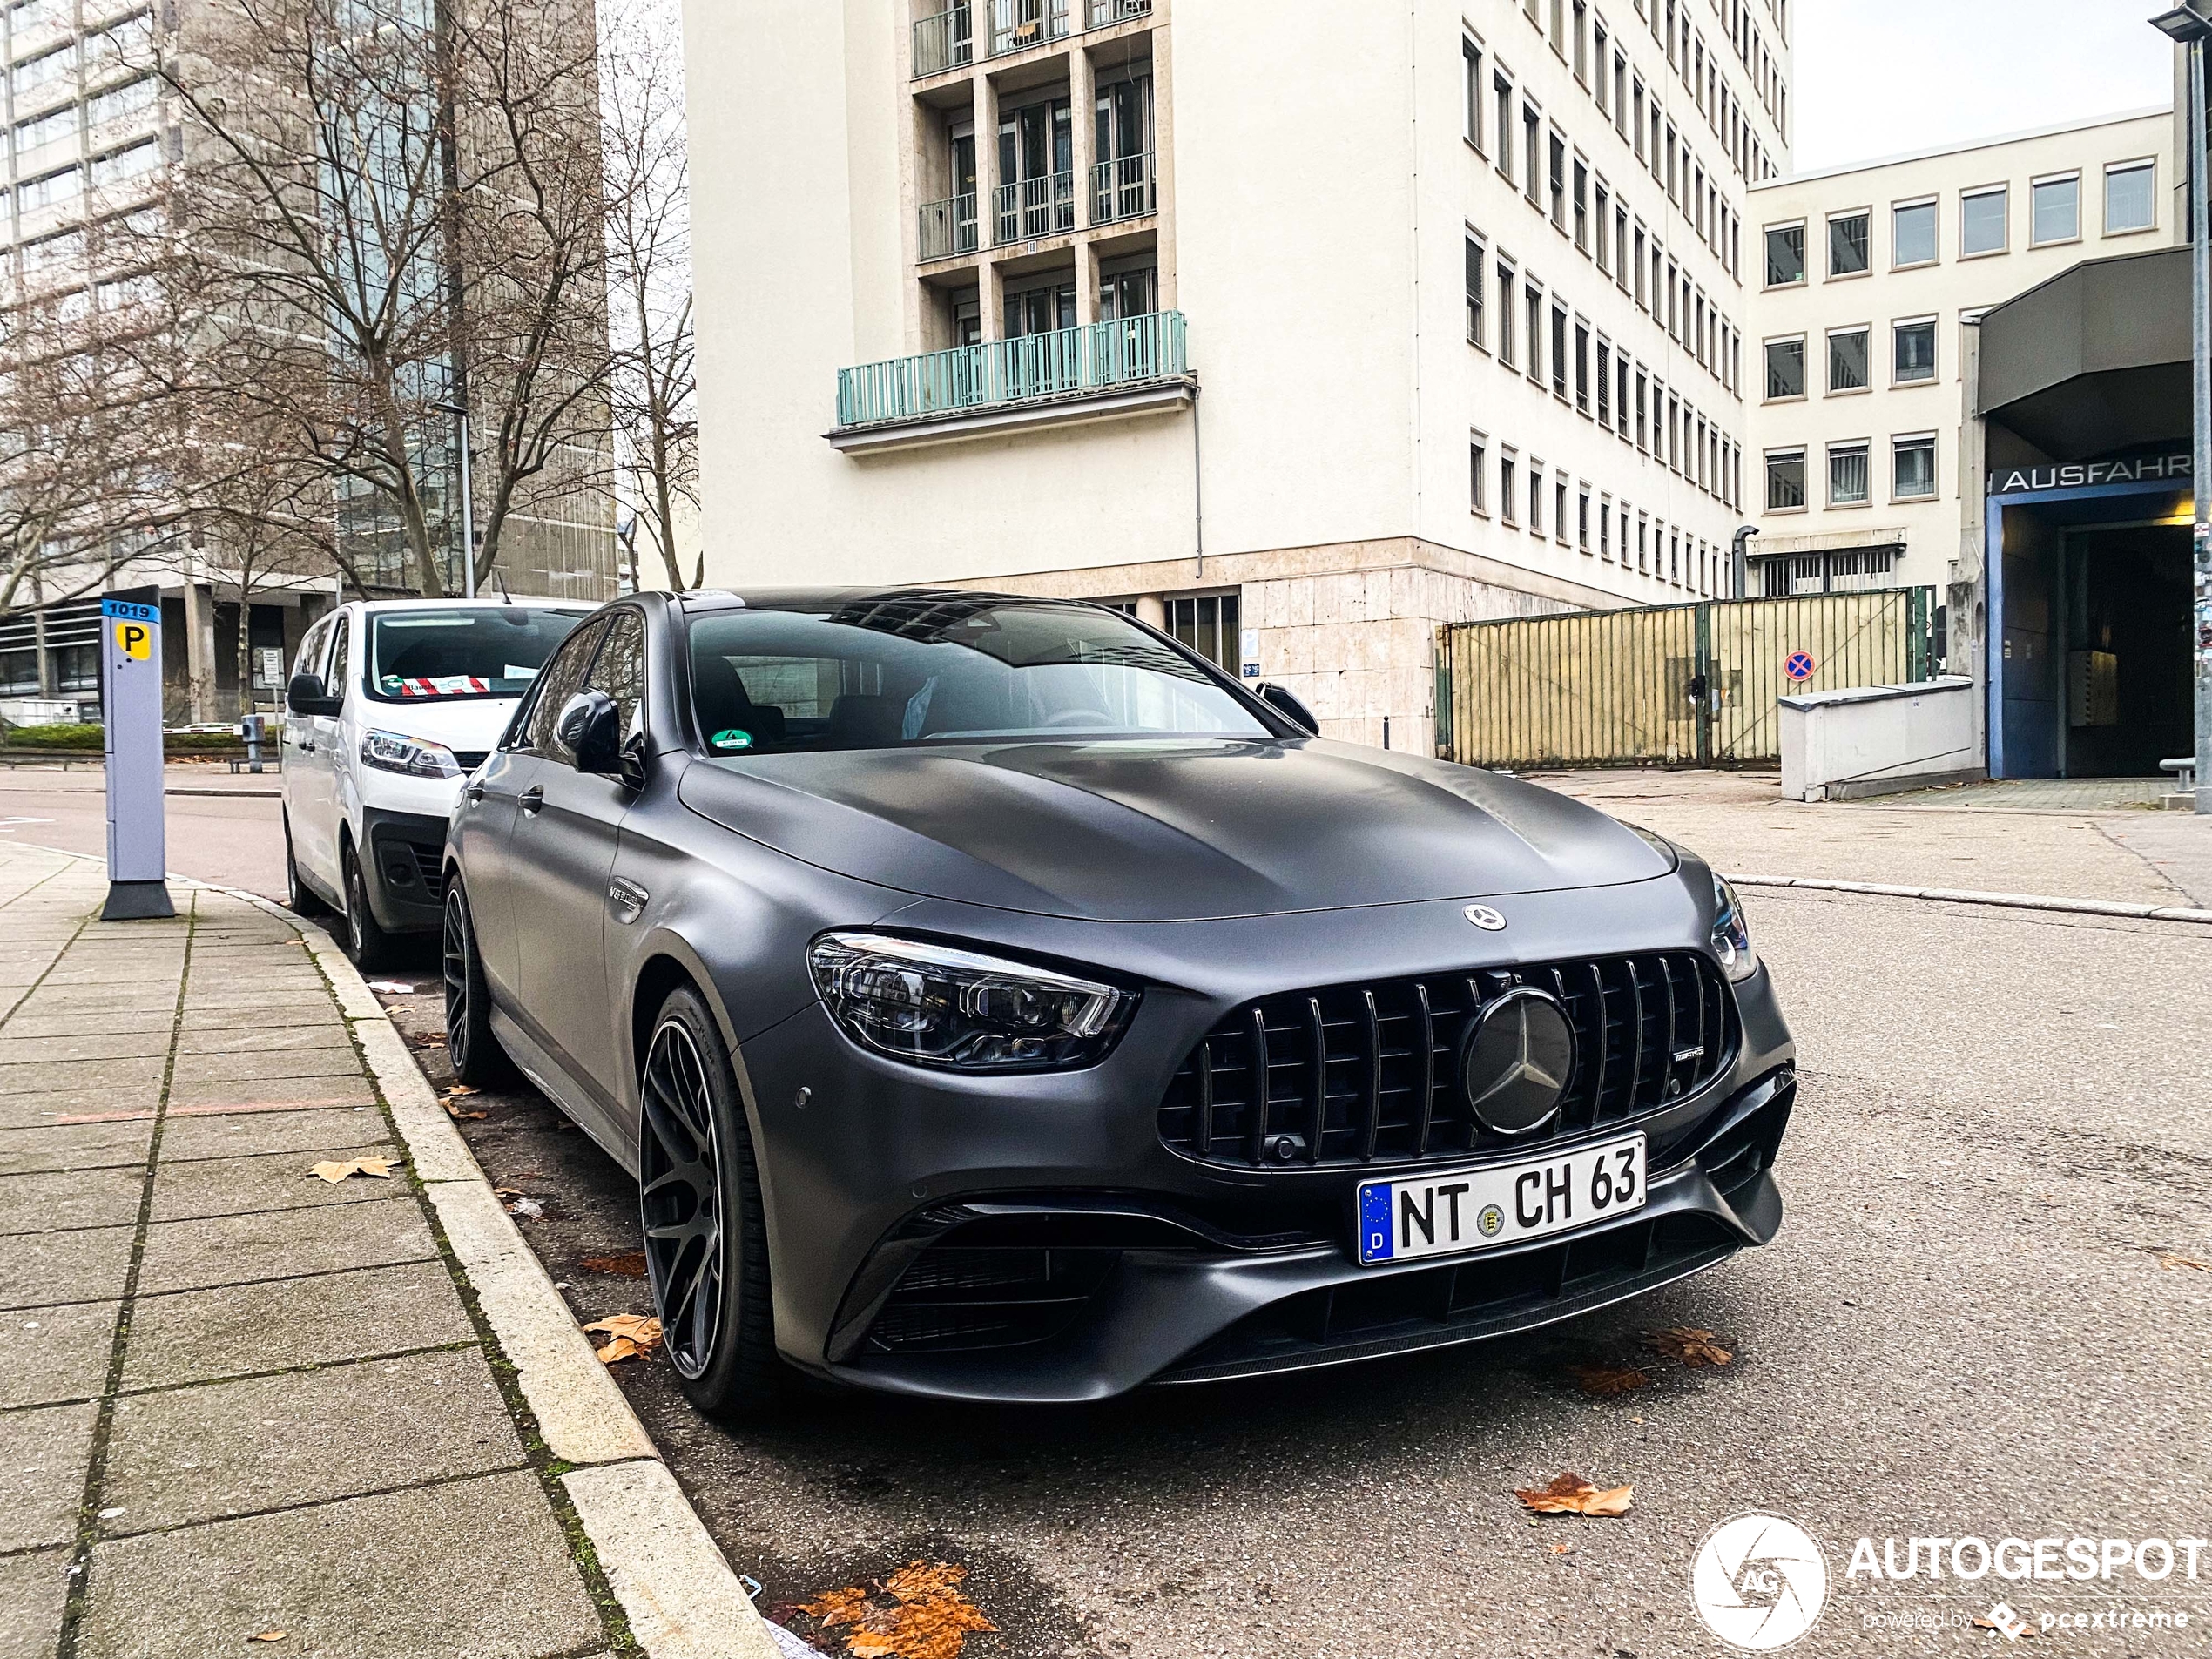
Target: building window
[
  {"x": 1848, "y": 242},
  {"x": 1785, "y": 480},
  {"x": 1478, "y": 471},
  {"x": 1535, "y": 498},
  {"x": 44, "y": 192},
  {"x": 1604, "y": 385},
  {"x": 1581, "y": 206},
  {"x": 1208, "y": 626},
  {"x": 126, "y": 164},
  {"x": 1473, "y": 54},
  {"x": 1847, "y": 358},
  {"x": 1605, "y": 529},
  {"x": 1912, "y": 230},
  {"x": 1508, "y": 485},
  {"x": 1532, "y": 309},
  {"x": 1847, "y": 477},
  {"x": 1505, "y": 282},
  {"x": 1501, "y": 94},
  {"x": 1583, "y": 519},
  {"x": 1582, "y": 367},
  {"x": 1532, "y": 152},
  {"x": 61, "y": 124},
  {"x": 1915, "y": 352},
  {"x": 1785, "y": 369},
  {"x": 1478, "y": 277},
  {"x": 1913, "y": 476},
  {"x": 1559, "y": 353},
  {"x": 2131, "y": 197},
  {"x": 1981, "y": 222},
  {"x": 1559, "y": 509},
  {"x": 1555, "y": 175},
  {"x": 2055, "y": 213}
]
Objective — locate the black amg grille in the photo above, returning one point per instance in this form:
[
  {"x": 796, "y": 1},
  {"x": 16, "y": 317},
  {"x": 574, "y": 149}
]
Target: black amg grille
[
  {"x": 957, "y": 1299},
  {"x": 1358, "y": 1073}
]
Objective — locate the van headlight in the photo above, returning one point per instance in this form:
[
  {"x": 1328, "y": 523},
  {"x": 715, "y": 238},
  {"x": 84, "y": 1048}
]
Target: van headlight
[
  {"x": 933, "y": 1005},
  {"x": 415, "y": 756},
  {"x": 1731, "y": 934}
]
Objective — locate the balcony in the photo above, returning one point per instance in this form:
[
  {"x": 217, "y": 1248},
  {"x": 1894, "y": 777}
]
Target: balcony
[
  {"x": 1016, "y": 25},
  {"x": 1133, "y": 365},
  {"x": 1126, "y": 187},
  {"x": 1030, "y": 208},
  {"x": 948, "y": 227},
  {"x": 945, "y": 41},
  {"x": 1104, "y": 14}
]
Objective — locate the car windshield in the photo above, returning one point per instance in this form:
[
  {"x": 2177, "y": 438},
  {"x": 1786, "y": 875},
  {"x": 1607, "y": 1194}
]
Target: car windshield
[
  {"x": 494, "y": 651},
  {"x": 929, "y": 669}
]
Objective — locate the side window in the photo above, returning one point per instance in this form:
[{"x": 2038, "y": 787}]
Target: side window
[
  {"x": 561, "y": 679},
  {"x": 619, "y": 670},
  {"x": 311, "y": 648},
  {"x": 341, "y": 656}
]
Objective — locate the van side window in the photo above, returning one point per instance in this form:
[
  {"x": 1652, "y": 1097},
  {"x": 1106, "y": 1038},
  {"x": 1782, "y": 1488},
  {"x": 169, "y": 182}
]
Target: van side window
[
  {"x": 562, "y": 680},
  {"x": 311, "y": 648},
  {"x": 335, "y": 682}
]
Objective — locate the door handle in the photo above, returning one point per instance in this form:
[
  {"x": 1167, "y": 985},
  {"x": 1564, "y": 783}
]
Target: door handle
[
  {"x": 533, "y": 799},
  {"x": 473, "y": 793}
]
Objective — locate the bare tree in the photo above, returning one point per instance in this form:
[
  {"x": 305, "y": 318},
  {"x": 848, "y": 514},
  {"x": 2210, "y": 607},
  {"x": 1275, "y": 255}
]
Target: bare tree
[{"x": 653, "y": 384}]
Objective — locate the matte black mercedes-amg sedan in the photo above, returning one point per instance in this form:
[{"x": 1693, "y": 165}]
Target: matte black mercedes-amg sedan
[{"x": 996, "y": 999}]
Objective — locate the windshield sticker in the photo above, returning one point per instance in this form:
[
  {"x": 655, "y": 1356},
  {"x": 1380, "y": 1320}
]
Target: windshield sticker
[
  {"x": 731, "y": 739},
  {"x": 515, "y": 671},
  {"x": 437, "y": 686}
]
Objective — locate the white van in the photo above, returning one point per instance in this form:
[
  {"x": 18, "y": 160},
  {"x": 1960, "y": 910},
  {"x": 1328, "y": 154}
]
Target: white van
[{"x": 391, "y": 705}]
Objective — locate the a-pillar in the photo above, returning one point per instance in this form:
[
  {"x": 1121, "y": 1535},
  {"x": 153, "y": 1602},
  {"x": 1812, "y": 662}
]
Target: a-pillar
[{"x": 199, "y": 650}]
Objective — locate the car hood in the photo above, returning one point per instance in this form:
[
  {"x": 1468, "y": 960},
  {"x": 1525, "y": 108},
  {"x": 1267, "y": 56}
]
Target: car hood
[{"x": 1165, "y": 831}]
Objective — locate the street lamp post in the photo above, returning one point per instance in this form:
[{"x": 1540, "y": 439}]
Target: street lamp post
[
  {"x": 2191, "y": 24},
  {"x": 468, "y": 505}
]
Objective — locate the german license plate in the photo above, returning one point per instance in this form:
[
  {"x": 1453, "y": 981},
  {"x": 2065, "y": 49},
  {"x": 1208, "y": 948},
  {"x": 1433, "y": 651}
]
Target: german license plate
[{"x": 1459, "y": 1210}]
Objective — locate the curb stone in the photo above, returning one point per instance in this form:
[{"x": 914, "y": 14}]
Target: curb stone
[{"x": 2004, "y": 901}]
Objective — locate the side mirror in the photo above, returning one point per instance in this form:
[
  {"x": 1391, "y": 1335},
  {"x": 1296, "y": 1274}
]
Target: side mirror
[
  {"x": 307, "y": 695},
  {"x": 590, "y": 729},
  {"x": 631, "y": 767},
  {"x": 1287, "y": 706}
]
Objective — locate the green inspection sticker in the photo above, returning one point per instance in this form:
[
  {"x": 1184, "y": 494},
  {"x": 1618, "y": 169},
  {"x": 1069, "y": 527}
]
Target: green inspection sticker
[{"x": 731, "y": 739}]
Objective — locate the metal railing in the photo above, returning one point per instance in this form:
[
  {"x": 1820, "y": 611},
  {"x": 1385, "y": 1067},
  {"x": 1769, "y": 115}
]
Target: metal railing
[
  {"x": 1126, "y": 187},
  {"x": 1068, "y": 362},
  {"x": 948, "y": 227},
  {"x": 945, "y": 41},
  {"x": 1030, "y": 208},
  {"x": 1104, "y": 14},
  {"x": 1016, "y": 25}
]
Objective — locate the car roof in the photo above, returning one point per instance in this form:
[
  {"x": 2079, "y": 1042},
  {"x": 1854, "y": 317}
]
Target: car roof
[
  {"x": 706, "y": 599},
  {"x": 481, "y": 601}
]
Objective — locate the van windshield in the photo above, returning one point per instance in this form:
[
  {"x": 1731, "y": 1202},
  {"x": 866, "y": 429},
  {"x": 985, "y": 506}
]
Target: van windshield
[
  {"x": 416, "y": 655},
  {"x": 937, "y": 668}
]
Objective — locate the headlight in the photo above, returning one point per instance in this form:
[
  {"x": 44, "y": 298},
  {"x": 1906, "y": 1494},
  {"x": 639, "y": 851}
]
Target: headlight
[
  {"x": 1731, "y": 934},
  {"x": 935, "y": 1006},
  {"x": 389, "y": 752}
]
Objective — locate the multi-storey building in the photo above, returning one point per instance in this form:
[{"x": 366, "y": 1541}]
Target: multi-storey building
[
  {"x": 1869, "y": 279},
  {"x": 1299, "y": 341}
]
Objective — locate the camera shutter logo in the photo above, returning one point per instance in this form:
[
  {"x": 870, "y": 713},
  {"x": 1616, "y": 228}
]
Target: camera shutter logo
[{"x": 1758, "y": 1582}]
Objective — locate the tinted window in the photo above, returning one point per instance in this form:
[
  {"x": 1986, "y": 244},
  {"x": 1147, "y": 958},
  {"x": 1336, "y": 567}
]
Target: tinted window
[
  {"x": 1785, "y": 257},
  {"x": 497, "y": 651},
  {"x": 619, "y": 669},
  {"x": 561, "y": 679},
  {"x": 919, "y": 670}
]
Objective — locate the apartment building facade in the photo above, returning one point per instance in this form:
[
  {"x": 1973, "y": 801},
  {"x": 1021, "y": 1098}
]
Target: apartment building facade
[
  {"x": 1297, "y": 340},
  {"x": 1870, "y": 281}
]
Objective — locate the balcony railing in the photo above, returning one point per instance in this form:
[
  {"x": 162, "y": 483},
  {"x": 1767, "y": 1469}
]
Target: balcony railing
[
  {"x": 948, "y": 227},
  {"x": 1044, "y": 206},
  {"x": 1126, "y": 187},
  {"x": 945, "y": 41},
  {"x": 1101, "y": 357},
  {"x": 1104, "y": 14},
  {"x": 1016, "y": 25}
]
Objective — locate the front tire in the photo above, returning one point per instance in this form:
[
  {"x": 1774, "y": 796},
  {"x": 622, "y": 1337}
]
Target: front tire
[
  {"x": 477, "y": 1058},
  {"x": 706, "y": 1249},
  {"x": 367, "y": 943},
  {"x": 298, "y": 898}
]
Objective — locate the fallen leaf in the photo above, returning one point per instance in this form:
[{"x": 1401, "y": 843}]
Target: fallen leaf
[
  {"x": 2169, "y": 1259},
  {"x": 630, "y": 1265},
  {"x": 630, "y": 1335},
  {"x": 456, "y": 1112},
  {"x": 1609, "y": 1379},
  {"x": 928, "y": 1618},
  {"x": 1570, "y": 1495},
  {"x": 506, "y": 1192},
  {"x": 267, "y": 1635},
  {"x": 1562, "y": 1550},
  {"x": 332, "y": 1171},
  {"x": 1693, "y": 1347},
  {"x": 459, "y": 1088}
]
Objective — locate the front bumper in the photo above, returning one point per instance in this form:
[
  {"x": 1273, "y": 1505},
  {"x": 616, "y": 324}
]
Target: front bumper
[
  {"x": 402, "y": 865},
  {"x": 1032, "y": 1239}
]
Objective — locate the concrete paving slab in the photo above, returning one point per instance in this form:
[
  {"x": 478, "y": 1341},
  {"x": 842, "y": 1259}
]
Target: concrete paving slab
[
  {"x": 236, "y": 1448},
  {"x": 42, "y": 1270},
  {"x": 274, "y": 1181},
  {"x": 336, "y": 1059},
  {"x": 142, "y": 1073},
  {"x": 461, "y": 1571},
  {"x": 244, "y": 1134},
  {"x": 84, "y": 1045},
  {"x": 307, "y": 1091},
  {"x": 39, "y": 1203},
  {"x": 34, "y": 1588},
  {"x": 237, "y": 1250},
  {"x": 121, "y": 1021},
  {"x": 43, "y": 1455},
  {"x": 303, "y": 1033},
  {"x": 57, "y": 1353},
  {"x": 79, "y": 1146},
  {"x": 200, "y": 1336},
  {"x": 60, "y": 1108}
]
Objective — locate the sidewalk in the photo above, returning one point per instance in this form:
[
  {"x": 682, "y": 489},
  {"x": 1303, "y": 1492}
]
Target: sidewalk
[
  {"x": 2037, "y": 842},
  {"x": 240, "y": 1400}
]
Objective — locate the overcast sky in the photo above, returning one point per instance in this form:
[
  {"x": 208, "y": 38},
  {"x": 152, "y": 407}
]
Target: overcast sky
[{"x": 1876, "y": 77}]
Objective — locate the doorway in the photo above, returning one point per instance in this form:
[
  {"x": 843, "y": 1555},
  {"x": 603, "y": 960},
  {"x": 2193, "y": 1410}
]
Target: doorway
[{"x": 2124, "y": 612}]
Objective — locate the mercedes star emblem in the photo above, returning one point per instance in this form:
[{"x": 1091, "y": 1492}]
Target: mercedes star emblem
[
  {"x": 1490, "y": 921},
  {"x": 1517, "y": 1062}
]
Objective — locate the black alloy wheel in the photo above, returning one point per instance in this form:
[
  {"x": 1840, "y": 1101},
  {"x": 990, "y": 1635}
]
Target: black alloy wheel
[
  {"x": 699, "y": 1201},
  {"x": 367, "y": 943},
  {"x": 476, "y": 1054},
  {"x": 298, "y": 898}
]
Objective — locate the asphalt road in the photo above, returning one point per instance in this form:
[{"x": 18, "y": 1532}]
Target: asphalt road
[
  {"x": 235, "y": 836},
  {"x": 1964, "y": 1330}
]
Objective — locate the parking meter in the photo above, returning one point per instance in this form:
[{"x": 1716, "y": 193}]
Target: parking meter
[{"x": 130, "y": 709}]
